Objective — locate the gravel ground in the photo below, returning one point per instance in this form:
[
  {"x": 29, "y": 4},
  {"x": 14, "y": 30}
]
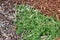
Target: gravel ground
[{"x": 7, "y": 29}]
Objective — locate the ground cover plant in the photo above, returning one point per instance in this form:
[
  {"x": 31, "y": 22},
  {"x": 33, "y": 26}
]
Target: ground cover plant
[{"x": 34, "y": 25}]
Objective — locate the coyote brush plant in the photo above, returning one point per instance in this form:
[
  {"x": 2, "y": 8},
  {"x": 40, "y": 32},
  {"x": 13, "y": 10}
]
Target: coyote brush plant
[{"x": 34, "y": 25}]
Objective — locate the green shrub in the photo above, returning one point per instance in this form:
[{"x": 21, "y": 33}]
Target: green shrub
[{"x": 34, "y": 25}]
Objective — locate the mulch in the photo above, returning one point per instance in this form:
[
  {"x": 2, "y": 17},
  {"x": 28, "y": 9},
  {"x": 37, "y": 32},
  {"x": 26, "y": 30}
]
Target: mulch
[
  {"x": 7, "y": 12},
  {"x": 47, "y": 7}
]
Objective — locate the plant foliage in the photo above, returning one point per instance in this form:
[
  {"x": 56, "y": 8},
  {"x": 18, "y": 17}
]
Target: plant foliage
[{"x": 34, "y": 25}]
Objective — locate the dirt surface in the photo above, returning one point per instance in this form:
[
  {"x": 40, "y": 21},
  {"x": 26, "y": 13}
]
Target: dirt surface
[{"x": 7, "y": 12}]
